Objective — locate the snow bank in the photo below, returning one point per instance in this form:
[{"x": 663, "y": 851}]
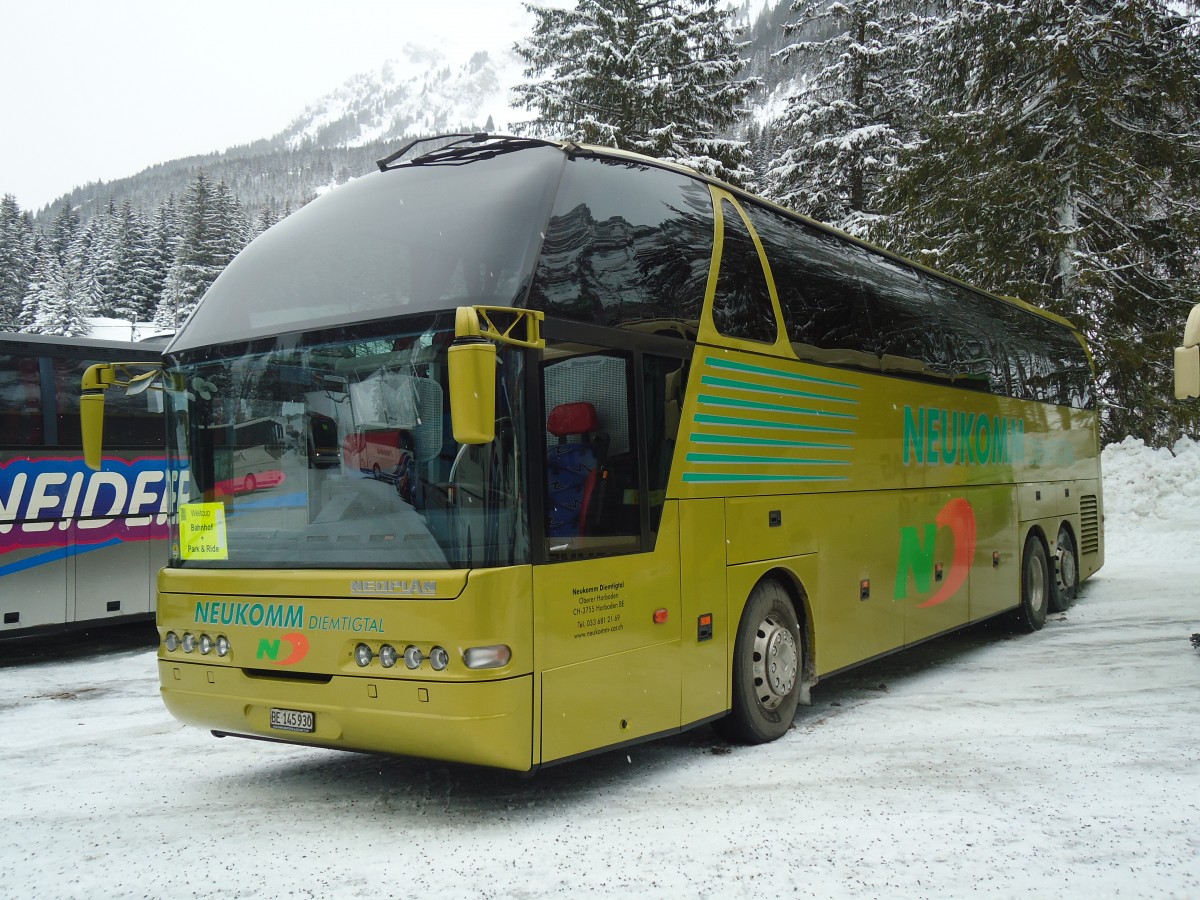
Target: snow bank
[{"x": 1150, "y": 491}]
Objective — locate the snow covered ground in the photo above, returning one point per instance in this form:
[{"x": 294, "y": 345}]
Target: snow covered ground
[{"x": 1061, "y": 764}]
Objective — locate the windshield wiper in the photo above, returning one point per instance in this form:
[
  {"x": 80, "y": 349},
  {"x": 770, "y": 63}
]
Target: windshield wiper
[{"x": 460, "y": 149}]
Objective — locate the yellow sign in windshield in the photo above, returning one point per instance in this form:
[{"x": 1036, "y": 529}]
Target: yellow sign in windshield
[{"x": 202, "y": 531}]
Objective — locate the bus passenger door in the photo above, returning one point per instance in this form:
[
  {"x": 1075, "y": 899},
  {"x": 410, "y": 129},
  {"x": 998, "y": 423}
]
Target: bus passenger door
[{"x": 607, "y": 598}]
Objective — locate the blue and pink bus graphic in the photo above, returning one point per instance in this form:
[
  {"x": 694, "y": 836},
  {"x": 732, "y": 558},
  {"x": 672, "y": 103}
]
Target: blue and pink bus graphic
[{"x": 58, "y": 506}]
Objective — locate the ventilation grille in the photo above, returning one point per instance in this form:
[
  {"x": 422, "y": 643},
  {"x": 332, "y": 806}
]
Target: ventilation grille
[{"x": 1089, "y": 525}]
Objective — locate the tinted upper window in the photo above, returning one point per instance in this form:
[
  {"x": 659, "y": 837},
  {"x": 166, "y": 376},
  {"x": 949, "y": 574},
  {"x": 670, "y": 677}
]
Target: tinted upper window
[
  {"x": 20, "y": 400},
  {"x": 1029, "y": 357},
  {"x": 625, "y": 243},
  {"x": 741, "y": 304},
  {"x": 846, "y": 305},
  {"x": 821, "y": 305}
]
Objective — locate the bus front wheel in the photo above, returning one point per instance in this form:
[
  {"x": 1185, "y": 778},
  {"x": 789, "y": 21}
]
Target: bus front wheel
[
  {"x": 1037, "y": 585},
  {"x": 768, "y": 665}
]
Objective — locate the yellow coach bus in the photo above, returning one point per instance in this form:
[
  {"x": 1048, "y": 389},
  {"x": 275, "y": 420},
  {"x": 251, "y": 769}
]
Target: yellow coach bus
[{"x": 676, "y": 454}]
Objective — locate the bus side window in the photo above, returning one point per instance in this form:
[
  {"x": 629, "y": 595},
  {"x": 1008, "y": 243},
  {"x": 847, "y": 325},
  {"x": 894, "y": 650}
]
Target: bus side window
[
  {"x": 20, "y": 402},
  {"x": 592, "y": 500},
  {"x": 664, "y": 384},
  {"x": 742, "y": 304},
  {"x": 826, "y": 319}
]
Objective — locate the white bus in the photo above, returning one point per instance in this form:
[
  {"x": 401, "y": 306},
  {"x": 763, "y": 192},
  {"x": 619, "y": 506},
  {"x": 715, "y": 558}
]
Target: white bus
[{"x": 77, "y": 547}]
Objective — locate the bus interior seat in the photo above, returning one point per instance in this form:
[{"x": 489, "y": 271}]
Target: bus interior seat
[{"x": 574, "y": 467}]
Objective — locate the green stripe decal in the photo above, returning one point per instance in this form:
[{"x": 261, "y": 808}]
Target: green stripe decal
[
  {"x": 718, "y": 363},
  {"x": 735, "y": 440},
  {"x": 710, "y": 400},
  {"x": 760, "y": 460},
  {"x": 760, "y": 423},
  {"x": 713, "y": 381},
  {"x": 718, "y": 478}
]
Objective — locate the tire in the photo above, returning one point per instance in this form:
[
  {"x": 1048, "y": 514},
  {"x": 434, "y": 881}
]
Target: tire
[
  {"x": 768, "y": 665},
  {"x": 1066, "y": 572},
  {"x": 375, "y": 472},
  {"x": 1037, "y": 586}
]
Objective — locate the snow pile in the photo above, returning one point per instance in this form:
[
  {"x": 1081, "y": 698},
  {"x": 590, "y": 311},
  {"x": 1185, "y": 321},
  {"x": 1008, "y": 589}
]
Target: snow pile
[{"x": 1143, "y": 485}]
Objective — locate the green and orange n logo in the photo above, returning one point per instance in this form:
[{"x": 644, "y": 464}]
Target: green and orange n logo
[
  {"x": 296, "y": 643},
  {"x": 917, "y": 553}
]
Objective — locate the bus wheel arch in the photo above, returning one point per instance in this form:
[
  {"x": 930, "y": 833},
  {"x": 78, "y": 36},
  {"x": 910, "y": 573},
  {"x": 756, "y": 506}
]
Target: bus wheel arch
[
  {"x": 1037, "y": 584},
  {"x": 1066, "y": 569},
  {"x": 802, "y": 605},
  {"x": 769, "y": 670}
]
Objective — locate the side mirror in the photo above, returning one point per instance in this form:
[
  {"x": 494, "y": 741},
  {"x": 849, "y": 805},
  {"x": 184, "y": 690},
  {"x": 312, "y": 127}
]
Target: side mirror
[
  {"x": 96, "y": 380},
  {"x": 471, "y": 360},
  {"x": 1187, "y": 358},
  {"x": 91, "y": 424},
  {"x": 472, "y": 365}
]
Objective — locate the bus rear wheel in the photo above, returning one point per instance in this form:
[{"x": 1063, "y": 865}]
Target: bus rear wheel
[
  {"x": 1066, "y": 574},
  {"x": 1036, "y": 587},
  {"x": 768, "y": 664}
]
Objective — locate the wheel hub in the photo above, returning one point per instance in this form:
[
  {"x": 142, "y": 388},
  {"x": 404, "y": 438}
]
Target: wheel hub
[
  {"x": 1067, "y": 570},
  {"x": 776, "y": 662}
]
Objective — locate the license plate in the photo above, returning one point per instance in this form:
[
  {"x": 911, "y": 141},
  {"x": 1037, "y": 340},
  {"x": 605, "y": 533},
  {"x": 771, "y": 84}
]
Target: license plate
[{"x": 293, "y": 720}]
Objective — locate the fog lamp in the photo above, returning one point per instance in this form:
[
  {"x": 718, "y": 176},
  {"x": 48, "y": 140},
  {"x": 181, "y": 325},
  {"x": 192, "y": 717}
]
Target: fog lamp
[
  {"x": 388, "y": 656},
  {"x": 439, "y": 658},
  {"x": 363, "y": 655},
  {"x": 412, "y": 657},
  {"x": 488, "y": 657}
]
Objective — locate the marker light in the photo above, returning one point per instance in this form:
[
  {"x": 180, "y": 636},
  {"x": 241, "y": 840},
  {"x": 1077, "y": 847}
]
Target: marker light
[
  {"x": 172, "y": 641},
  {"x": 388, "y": 656},
  {"x": 412, "y": 657},
  {"x": 206, "y": 644},
  {"x": 363, "y": 655},
  {"x": 439, "y": 658},
  {"x": 222, "y": 645},
  {"x": 487, "y": 657},
  {"x": 189, "y": 642}
]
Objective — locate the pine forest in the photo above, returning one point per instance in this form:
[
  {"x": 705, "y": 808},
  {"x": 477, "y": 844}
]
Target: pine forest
[{"x": 1041, "y": 149}]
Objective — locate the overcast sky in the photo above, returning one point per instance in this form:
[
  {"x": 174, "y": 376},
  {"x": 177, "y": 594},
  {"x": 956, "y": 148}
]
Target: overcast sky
[{"x": 100, "y": 89}]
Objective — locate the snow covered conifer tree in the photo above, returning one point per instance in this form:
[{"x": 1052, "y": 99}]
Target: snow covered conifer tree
[
  {"x": 847, "y": 126},
  {"x": 134, "y": 287},
  {"x": 659, "y": 77},
  {"x": 16, "y": 260},
  {"x": 101, "y": 262},
  {"x": 212, "y": 230},
  {"x": 1061, "y": 164},
  {"x": 62, "y": 295}
]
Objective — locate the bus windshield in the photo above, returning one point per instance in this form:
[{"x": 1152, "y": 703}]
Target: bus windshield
[{"x": 397, "y": 492}]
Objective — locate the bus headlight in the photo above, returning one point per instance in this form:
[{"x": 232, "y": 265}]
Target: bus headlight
[
  {"x": 363, "y": 655},
  {"x": 172, "y": 641},
  {"x": 388, "y": 656},
  {"x": 439, "y": 658},
  {"x": 488, "y": 657},
  {"x": 189, "y": 642},
  {"x": 206, "y": 645},
  {"x": 412, "y": 657},
  {"x": 222, "y": 645}
]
